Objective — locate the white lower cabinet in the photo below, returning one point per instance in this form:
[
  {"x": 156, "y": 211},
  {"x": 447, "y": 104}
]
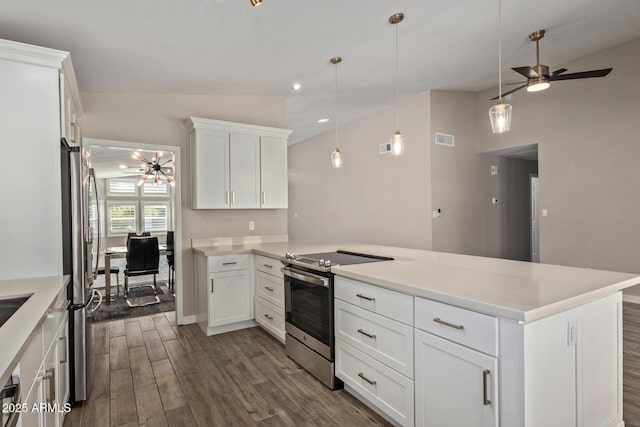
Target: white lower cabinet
[
  {"x": 382, "y": 387},
  {"x": 271, "y": 318},
  {"x": 270, "y": 296},
  {"x": 224, "y": 293},
  {"x": 455, "y": 385}
]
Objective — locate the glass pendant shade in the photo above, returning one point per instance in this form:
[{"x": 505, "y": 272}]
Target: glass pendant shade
[
  {"x": 500, "y": 115},
  {"x": 336, "y": 159},
  {"x": 397, "y": 144}
]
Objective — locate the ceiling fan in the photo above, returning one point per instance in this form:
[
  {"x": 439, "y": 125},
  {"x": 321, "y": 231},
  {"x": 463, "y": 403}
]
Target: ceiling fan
[
  {"x": 151, "y": 169},
  {"x": 539, "y": 77}
]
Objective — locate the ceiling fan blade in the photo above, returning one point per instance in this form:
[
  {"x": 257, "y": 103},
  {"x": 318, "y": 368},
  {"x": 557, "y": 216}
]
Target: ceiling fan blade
[
  {"x": 582, "y": 75},
  {"x": 511, "y": 91},
  {"x": 560, "y": 71},
  {"x": 515, "y": 83},
  {"x": 528, "y": 72}
]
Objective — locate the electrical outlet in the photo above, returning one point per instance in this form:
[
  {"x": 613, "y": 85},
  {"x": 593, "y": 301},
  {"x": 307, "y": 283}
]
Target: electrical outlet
[
  {"x": 252, "y": 225},
  {"x": 494, "y": 201},
  {"x": 437, "y": 213},
  {"x": 494, "y": 170}
]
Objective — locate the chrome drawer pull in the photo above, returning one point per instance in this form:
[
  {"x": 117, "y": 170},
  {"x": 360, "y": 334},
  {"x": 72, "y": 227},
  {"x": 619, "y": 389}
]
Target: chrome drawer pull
[
  {"x": 366, "y": 334},
  {"x": 211, "y": 285},
  {"x": 485, "y": 374},
  {"x": 365, "y": 297},
  {"x": 230, "y": 263},
  {"x": 268, "y": 288},
  {"x": 268, "y": 316},
  {"x": 267, "y": 265},
  {"x": 451, "y": 325},
  {"x": 361, "y": 375}
]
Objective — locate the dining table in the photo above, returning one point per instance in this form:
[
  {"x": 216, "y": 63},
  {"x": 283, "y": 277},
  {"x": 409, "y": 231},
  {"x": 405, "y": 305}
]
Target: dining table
[{"x": 121, "y": 252}]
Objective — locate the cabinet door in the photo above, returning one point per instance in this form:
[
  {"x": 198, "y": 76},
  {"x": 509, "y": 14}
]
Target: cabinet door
[
  {"x": 210, "y": 170},
  {"x": 48, "y": 389},
  {"x": 273, "y": 173},
  {"x": 455, "y": 386},
  {"x": 230, "y": 297},
  {"x": 244, "y": 166},
  {"x": 62, "y": 372}
]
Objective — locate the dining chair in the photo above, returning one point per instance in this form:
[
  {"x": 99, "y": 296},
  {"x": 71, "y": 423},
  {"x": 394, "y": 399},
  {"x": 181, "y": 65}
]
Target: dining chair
[
  {"x": 143, "y": 258},
  {"x": 172, "y": 271},
  {"x": 143, "y": 234},
  {"x": 116, "y": 271}
]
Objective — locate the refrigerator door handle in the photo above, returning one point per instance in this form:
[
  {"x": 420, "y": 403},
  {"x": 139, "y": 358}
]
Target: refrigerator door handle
[
  {"x": 95, "y": 190},
  {"x": 94, "y": 293}
]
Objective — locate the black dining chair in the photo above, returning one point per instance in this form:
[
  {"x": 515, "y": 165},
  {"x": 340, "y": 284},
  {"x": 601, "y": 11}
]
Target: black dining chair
[
  {"x": 143, "y": 258},
  {"x": 172, "y": 271},
  {"x": 143, "y": 234}
]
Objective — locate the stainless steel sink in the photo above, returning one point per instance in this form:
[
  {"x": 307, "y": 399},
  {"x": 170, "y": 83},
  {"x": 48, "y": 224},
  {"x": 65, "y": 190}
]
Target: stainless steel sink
[{"x": 9, "y": 306}]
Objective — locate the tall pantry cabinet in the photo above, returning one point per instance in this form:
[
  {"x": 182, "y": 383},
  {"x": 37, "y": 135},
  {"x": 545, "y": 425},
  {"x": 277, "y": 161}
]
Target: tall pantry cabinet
[{"x": 38, "y": 106}]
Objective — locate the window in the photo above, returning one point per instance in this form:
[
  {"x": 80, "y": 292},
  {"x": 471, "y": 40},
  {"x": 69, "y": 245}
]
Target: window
[
  {"x": 137, "y": 208},
  {"x": 156, "y": 216},
  {"x": 122, "y": 217}
]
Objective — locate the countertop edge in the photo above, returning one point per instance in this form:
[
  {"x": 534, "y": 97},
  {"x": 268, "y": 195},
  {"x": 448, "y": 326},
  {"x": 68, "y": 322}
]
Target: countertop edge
[{"x": 8, "y": 368}]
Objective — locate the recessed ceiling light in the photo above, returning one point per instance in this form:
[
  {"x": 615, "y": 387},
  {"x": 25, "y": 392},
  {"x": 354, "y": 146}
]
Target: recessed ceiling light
[
  {"x": 323, "y": 120},
  {"x": 297, "y": 86}
]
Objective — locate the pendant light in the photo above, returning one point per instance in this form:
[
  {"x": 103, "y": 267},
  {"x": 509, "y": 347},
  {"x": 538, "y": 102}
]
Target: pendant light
[
  {"x": 336, "y": 156},
  {"x": 397, "y": 139},
  {"x": 500, "y": 114}
]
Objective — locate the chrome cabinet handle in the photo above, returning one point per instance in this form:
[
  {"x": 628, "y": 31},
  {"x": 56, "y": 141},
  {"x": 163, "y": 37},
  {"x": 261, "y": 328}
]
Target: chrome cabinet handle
[
  {"x": 365, "y": 297},
  {"x": 268, "y": 288},
  {"x": 366, "y": 334},
  {"x": 268, "y": 316},
  {"x": 211, "y": 285},
  {"x": 264, "y": 198},
  {"x": 66, "y": 351},
  {"x": 361, "y": 375},
  {"x": 230, "y": 263},
  {"x": 233, "y": 197},
  {"x": 485, "y": 375},
  {"x": 267, "y": 265},
  {"x": 451, "y": 325},
  {"x": 48, "y": 376}
]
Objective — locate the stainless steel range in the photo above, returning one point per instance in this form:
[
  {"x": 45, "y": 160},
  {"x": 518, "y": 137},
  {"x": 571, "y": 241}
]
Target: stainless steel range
[{"x": 308, "y": 290}]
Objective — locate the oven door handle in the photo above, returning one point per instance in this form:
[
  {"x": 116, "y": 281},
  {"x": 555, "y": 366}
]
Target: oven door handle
[{"x": 306, "y": 277}]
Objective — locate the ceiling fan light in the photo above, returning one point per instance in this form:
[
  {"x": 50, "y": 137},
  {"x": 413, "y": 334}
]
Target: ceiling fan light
[
  {"x": 538, "y": 86},
  {"x": 255, "y": 3},
  {"x": 500, "y": 115},
  {"x": 336, "y": 159},
  {"x": 397, "y": 144}
]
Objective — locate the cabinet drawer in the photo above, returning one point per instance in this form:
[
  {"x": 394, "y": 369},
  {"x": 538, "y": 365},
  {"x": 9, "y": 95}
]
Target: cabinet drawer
[
  {"x": 270, "y": 288},
  {"x": 54, "y": 317},
  {"x": 395, "y": 305},
  {"x": 385, "y": 340},
  {"x": 269, "y": 265},
  {"x": 389, "y": 391},
  {"x": 474, "y": 330},
  {"x": 228, "y": 263},
  {"x": 270, "y": 318}
]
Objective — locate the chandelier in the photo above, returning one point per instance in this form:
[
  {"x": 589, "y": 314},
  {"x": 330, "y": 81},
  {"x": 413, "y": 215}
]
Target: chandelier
[{"x": 152, "y": 170}]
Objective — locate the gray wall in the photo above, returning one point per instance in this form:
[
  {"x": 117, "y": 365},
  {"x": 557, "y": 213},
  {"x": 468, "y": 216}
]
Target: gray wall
[
  {"x": 158, "y": 119},
  {"x": 589, "y": 146},
  {"x": 374, "y": 198}
]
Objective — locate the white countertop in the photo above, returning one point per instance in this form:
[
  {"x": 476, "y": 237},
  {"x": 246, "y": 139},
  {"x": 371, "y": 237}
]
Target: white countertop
[
  {"x": 15, "y": 333},
  {"x": 517, "y": 290}
]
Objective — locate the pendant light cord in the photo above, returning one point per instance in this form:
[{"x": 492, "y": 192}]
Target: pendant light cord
[
  {"x": 336, "y": 105},
  {"x": 397, "y": 83},
  {"x": 499, "y": 51}
]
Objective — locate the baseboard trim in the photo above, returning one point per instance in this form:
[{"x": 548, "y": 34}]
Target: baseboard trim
[
  {"x": 187, "y": 320},
  {"x": 631, "y": 298}
]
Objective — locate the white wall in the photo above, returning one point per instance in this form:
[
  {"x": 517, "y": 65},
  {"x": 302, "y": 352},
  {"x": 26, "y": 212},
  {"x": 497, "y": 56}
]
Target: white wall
[
  {"x": 373, "y": 198},
  {"x": 589, "y": 147},
  {"x": 158, "y": 119}
]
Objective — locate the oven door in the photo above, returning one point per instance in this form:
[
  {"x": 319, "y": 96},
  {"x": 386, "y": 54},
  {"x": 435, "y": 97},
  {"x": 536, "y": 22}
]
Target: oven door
[{"x": 309, "y": 309}]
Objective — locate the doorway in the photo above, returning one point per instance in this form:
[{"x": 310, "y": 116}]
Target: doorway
[
  {"x": 134, "y": 201},
  {"x": 519, "y": 208}
]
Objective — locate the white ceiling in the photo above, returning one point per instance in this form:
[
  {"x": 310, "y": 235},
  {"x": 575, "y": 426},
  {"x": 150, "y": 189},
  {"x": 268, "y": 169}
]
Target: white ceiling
[{"x": 229, "y": 47}]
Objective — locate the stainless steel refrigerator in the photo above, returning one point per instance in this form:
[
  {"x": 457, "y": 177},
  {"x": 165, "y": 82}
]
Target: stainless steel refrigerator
[{"x": 81, "y": 247}]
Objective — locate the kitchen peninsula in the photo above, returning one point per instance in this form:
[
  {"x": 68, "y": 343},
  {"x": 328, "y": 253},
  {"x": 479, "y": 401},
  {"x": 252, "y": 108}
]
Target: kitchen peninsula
[{"x": 506, "y": 342}]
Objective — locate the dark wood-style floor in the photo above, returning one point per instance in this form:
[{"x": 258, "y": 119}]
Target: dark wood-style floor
[{"x": 150, "y": 372}]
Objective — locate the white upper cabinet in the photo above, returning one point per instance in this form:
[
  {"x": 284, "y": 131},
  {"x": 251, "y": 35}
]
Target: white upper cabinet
[{"x": 237, "y": 166}]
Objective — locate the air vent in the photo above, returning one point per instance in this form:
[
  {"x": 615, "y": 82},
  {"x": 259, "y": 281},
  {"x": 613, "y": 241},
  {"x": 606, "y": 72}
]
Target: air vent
[
  {"x": 385, "y": 148},
  {"x": 444, "y": 139}
]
